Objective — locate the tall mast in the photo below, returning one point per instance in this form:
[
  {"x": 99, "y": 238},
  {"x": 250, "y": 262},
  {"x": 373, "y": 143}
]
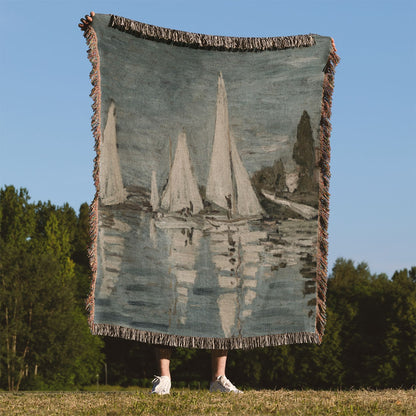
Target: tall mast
[
  {"x": 220, "y": 185},
  {"x": 170, "y": 153}
]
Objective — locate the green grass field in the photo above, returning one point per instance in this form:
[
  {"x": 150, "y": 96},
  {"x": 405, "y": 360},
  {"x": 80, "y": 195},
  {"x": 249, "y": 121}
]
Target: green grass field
[{"x": 201, "y": 402}]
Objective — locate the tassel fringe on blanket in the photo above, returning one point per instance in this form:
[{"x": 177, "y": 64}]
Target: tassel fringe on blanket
[
  {"x": 225, "y": 44},
  {"x": 201, "y": 41}
]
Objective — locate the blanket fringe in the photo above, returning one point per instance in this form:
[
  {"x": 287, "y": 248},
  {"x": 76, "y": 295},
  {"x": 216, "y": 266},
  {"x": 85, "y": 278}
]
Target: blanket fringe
[
  {"x": 205, "y": 343},
  {"x": 325, "y": 174},
  {"x": 94, "y": 58},
  {"x": 201, "y": 41}
]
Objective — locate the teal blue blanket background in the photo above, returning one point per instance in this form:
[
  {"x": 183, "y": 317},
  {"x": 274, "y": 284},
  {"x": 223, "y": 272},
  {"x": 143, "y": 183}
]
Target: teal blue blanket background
[{"x": 184, "y": 282}]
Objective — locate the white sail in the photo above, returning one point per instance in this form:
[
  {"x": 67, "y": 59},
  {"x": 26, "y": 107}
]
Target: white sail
[
  {"x": 247, "y": 202},
  {"x": 220, "y": 182},
  {"x": 227, "y": 174},
  {"x": 154, "y": 195},
  {"x": 182, "y": 189},
  {"x": 111, "y": 183}
]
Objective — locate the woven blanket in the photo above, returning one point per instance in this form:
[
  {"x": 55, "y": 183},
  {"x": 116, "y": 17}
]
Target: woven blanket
[{"x": 209, "y": 224}]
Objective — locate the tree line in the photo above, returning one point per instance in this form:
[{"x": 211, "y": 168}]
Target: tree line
[{"x": 45, "y": 342}]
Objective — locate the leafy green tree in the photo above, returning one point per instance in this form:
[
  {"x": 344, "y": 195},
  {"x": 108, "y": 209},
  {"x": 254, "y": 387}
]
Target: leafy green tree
[
  {"x": 359, "y": 299},
  {"x": 401, "y": 337},
  {"x": 79, "y": 255},
  {"x": 44, "y": 338},
  {"x": 17, "y": 224}
]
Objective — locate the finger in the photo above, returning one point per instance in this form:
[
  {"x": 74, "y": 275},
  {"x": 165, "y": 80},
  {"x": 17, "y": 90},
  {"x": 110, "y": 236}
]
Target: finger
[{"x": 92, "y": 14}]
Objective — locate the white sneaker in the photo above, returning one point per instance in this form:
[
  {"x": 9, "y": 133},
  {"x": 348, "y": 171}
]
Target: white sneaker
[
  {"x": 223, "y": 385},
  {"x": 161, "y": 385}
]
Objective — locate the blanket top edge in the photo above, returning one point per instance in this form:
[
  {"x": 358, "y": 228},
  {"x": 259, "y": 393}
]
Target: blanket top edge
[{"x": 204, "y": 41}]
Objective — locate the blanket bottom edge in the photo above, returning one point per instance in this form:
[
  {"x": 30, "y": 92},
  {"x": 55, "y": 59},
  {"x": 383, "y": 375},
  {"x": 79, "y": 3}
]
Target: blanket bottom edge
[{"x": 172, "y": 340}]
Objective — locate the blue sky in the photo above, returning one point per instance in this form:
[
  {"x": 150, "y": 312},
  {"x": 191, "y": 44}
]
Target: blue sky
[{"x": 46, "y": 145}]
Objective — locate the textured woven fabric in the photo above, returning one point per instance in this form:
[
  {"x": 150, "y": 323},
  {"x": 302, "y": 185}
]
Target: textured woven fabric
[{"x": 212, "y": 170}]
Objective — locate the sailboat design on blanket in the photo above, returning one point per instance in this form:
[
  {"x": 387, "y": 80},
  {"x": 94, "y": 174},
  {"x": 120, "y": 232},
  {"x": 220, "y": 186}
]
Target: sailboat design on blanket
[
  {"x": 229, "y": 184},
  {"x": 230, "y": 197}
]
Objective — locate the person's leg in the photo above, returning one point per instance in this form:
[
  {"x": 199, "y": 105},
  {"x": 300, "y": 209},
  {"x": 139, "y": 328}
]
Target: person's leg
[
  {"x": 163, "y": 359},
  {"x": 219, "y": 381},
  {"x": 218, "y": 363},
  {"x": 162, "y": 383}
]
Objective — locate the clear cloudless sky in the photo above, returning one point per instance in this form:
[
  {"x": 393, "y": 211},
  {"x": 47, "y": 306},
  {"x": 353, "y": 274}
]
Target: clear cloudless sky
[{"x": 46, "y": 145}]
